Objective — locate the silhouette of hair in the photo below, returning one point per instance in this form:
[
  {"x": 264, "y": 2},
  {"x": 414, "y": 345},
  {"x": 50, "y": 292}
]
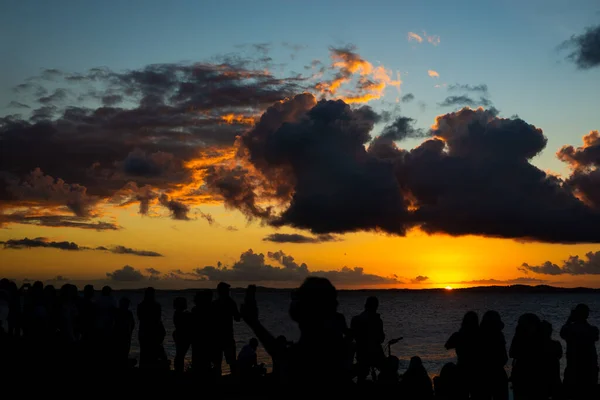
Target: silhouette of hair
[
  {"x": 180, "y": 303},
  {"x": 546, "y": 329},
  {"x": 491, "y": 321},
  {"x": 582, "y": 312},
  {"x": 372, "y": 303},
  {"x": 254, "y": 343},
  {"x": 149, "y": 294},
  {"x": 470, "y": 322},
  {"x": 223, "y": 288},
  {"x": 106, "y": 290},
  {"x": 88, "y": 291},
  {"x": 314, "y": 300}
]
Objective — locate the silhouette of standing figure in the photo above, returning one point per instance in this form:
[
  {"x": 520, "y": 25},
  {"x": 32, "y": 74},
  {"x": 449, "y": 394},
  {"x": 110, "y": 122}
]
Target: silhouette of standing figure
[
  {"x": 151, "y": 332},
  {"x": 416, "y": 383},
  {"x": 318, "y": 358},
  {"x": 492, "y": 358},
  {"x": 581, "y": 373},
  {"x": 552, "y": 353},
  {"x": 124, "y": 326},
  {"x": 526, "y": 350},
  {"x": 202, "y": 333},
  {"x": 224, "y": 311},
  {"x": 465, "y": 342},
  {"x": 367, "y": 329},
  {"x": 182, "y": 333}
]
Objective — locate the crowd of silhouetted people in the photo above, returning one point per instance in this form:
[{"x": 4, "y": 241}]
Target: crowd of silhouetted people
[{"x": 51, "y": 329}]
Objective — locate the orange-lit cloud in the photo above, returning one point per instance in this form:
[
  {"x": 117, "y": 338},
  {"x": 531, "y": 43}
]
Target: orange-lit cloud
[
  {"x": 433, "y": 74},
  {"x": 433, "y": 39},
  {"x": 414, "y": 37},
  {"x": 237, "y": 119}
]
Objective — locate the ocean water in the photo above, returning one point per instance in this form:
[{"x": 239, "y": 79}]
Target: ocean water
[{"x": 425, "y": 319}]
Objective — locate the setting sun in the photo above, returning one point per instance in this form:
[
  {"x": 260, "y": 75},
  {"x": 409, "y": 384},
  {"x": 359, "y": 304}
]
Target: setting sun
[{"x": 448, "y": 288}]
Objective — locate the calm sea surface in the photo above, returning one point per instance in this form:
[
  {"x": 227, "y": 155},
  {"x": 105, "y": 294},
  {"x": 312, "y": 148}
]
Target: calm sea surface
[{"x": 424, "y": 319}]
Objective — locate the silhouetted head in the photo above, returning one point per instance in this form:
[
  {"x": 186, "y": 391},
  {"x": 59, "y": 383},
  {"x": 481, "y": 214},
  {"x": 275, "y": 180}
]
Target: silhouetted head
[
  {"x": 106, "y": 291},
  {"x": 88, "y": 292},
  {"x": 546, "y": 328},
  {"x": 528, "y": 325},
  {"x": 581, "y": 312},
  {"x": 203, "y": 297},
  {"x": 281, "y": 341},
  {"x": 50, "y": 292},
  {"x": 491, "y": 321},
  {"x": 149, "y": 294},
  {"x": 223, "y": 289},
  {"x": 254, "y": 343},
  {"x": 392, "y": 364},
  {"x": 180, "y": 303},
  {"x": 449, "y": 371},
  {"x": 37, "y": 288},
  {"x": 470, "y": 322},
  {"x": 415, "y": 363},
  {"x": 4, "y": 283},
  {"x": 314, "y": 302},
  {"x": 124, "y": 303},
  {"x": 372, "y": 304}
]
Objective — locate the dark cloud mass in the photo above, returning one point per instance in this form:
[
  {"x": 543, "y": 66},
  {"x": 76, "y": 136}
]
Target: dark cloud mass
[
  {"x": 253, "y": 267},
  {"x": 585, "y": 48},
  {"x": 310, "y": 169},
  {"x": 574, "y": 265},
  {"x": 483, "y": 88},
  {"x": 39, "y": 242},
  {"x": 464, "y": 100},
  {"x": 407, "y": 98},
  {"x": 419, "y": 279},
  {"x": 298, "y": 238},
  {"x": 516, "y": 281},
  {"x": 126, "y": 274},
  {"x": 127, "y": 250}
]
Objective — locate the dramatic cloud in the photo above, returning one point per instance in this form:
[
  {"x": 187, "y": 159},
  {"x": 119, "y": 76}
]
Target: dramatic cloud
[
  {"x": 252, "y": 267},
  {"x": 419, "y": 279},
  {"x": 482, "y": 88},
  {"x": 585, "y": 48},
  {"x": 128, "y": 250},
  {"x": 413, "y": 36},
  {"x": 56, "y": 221},
  {"x": 584, "y": 162},
  {"x": 464, "y": 101},
  {"x": 572, "y": 266},
  {"x": 152, "y": 271},
  {"x": 517, "y": 281},
  {"x": 39, "y": 242},
  {"x": 297, "y": 238},
  {"x": 306, "y": 164},
  {"x": 126, "y": 274},
  {"x": 433, "y": 74},
  {"x": 407, "y": 98}
]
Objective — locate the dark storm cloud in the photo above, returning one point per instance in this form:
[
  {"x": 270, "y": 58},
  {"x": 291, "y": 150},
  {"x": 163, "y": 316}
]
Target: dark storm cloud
[
  {"x": 584, "y": 162},
  {"x": 464, "y": 100},
  {"x": 407, "y": 98},
  {"x": 297, "y": 238},
  {"x": 39, "y": 242},
  {"x": 419, "y": 279},
  {"x": 482, "y": 88},
  {"x": 126, "y": 274},
  {"x": 474, "y": 176},
  {"x": 142, "y": 125},
  {"x": 585, "y": 48},
  {"x": 590, "y": 265},
  {"x": 252, "y": 267}
]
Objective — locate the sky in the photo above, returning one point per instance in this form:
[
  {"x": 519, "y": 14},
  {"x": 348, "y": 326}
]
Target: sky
[{"x": 384, "y": 144}]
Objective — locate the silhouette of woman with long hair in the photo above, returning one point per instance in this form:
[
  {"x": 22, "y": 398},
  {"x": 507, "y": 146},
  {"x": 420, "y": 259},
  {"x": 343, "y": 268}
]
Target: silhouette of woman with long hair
[
  {"x": 416, "y": 383},
  {"x": 202, "y": 333},
  {"x": 552, "y": 353},
  {"x": 526, "y": 350},
  {"x": 465, "y": 342},
  {"x": 124, "y": 326},
  {"x": 152, "y": 331},
  {"x": 182, "y": 333},
  {"x": 492, "y": 358}
]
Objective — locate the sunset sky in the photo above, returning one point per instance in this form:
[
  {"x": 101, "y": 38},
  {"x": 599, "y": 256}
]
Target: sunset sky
[{"x": 414, "y": 144}]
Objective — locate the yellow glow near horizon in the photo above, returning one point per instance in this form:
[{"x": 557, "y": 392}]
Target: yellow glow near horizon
[{"x": 448, "y": 288}]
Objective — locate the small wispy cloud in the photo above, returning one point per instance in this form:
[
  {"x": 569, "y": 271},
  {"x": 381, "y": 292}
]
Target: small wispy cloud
[
  {"x": 433, "y": 74},
  {"x": 414, "y": 37},
  {"x": 432, "y": 39}
]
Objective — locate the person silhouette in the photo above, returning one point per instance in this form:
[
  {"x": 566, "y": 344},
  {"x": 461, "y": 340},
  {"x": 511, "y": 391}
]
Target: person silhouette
[
  {"x": 492, "y": 358},
  {"x": 389, "y": 374},
  {"x": 151, "y": 332},
  {"x": 224, "y": 312},
  {"x": 202, "y": 333},
  {"x": 318, "y": 358},
  {"x": 526, "y": 350},
  {"x": 367, "y": 330},
  {"x": 124, "y": 326},
  {"x": 465, "y": 343},
  {"x": 581, "y": 373},
  {"x": 416, "y": 384},
  {"x": 183, "y": 331},
  {"x": 447, "y": 384},
  {"x": 248, "y": 366},
  {"x": 552, "y": 353}
]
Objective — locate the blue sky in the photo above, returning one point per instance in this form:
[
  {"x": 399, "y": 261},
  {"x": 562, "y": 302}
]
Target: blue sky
[{"x": 508, "y": 45}]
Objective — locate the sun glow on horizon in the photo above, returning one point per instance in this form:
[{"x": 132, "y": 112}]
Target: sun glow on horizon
[{"x": 448, "y": 288}]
